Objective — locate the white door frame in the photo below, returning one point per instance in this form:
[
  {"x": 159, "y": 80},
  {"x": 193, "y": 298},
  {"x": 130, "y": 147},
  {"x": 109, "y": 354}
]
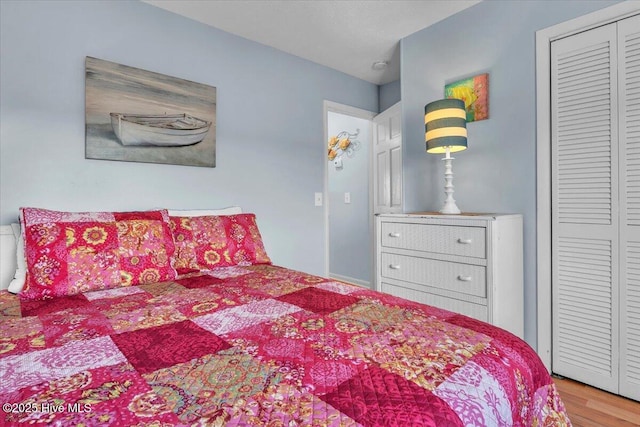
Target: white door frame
[
  {"x": 335, "y": 107},
  {"x": 544, "y": 38}
]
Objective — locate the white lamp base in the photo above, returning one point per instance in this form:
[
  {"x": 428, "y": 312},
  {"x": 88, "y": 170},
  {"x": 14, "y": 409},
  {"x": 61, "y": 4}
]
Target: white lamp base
[{"x": 449, "y": 203}]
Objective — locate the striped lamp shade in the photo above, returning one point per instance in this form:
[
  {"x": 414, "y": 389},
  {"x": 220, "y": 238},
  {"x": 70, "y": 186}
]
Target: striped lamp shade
[{"x": 445, "y": 123}]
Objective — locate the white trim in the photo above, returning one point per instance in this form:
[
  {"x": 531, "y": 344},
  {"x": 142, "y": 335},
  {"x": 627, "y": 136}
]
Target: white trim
[
  {"x": 354, "y": 112},
  {"x": 544, "y": 38},
  {"x": 351, "y": 280}
]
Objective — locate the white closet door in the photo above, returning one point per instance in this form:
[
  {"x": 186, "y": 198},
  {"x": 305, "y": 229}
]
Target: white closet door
[
  {"x": 629, "y": 82},
  {"x": 585, "y": 207},
  {"x": 387, "y": 161}
]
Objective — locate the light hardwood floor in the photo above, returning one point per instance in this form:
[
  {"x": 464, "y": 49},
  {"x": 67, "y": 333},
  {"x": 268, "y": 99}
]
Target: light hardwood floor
[{"x": 591, "y": 407}]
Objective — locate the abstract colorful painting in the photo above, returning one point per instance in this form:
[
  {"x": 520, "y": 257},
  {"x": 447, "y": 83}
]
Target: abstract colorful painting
[{"x": 474, "y": 91}]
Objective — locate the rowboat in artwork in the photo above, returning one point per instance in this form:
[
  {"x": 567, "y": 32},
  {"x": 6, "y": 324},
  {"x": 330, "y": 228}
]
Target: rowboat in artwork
[{"x": 166, "y": 130}]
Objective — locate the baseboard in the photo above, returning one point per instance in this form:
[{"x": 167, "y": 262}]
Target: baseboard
[{"x": 348, "y": 279}]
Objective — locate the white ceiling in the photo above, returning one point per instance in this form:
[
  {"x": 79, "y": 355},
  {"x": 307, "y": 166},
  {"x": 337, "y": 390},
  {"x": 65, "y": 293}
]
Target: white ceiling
[{"x": 346, "y": 35}]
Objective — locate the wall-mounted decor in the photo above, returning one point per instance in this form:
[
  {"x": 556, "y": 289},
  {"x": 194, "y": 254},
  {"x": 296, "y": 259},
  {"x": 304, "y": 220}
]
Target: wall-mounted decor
[
  {"x": 474, "y": 91},
  {"x": 342, "y": 143},
  {"x": 140, "y": 116}
]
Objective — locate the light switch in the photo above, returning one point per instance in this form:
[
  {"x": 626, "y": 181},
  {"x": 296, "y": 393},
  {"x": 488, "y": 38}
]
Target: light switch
[
  {"x": 318, "y": 199},
  {"x": 347, "y": 197}
]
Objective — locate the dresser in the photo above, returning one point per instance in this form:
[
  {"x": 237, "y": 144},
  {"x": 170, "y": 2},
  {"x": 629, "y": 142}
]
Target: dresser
[{"x": 470, "y": 264}]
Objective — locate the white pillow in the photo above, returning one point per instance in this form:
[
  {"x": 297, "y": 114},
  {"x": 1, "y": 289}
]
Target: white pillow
[
  {"x": 233, "y": 210},
  {"x": 19, "y": 278}
]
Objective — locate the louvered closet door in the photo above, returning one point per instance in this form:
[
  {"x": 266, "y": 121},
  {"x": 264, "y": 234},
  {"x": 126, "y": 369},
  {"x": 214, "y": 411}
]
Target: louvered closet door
[
  {"x": 584, "y": 207},
  {"x": 629, "y": 83}
]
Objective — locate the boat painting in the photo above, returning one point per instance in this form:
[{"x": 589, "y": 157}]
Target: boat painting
[
  {"x": 135, "y": 115},
  {"x": 167, "y": 130}
]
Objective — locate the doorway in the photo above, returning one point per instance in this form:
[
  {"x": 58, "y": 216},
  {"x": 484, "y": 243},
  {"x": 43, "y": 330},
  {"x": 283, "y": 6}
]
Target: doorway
[{"x": 347, "y": 194}]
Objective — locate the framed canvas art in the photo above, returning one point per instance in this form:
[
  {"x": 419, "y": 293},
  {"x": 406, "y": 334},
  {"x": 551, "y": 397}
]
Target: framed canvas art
[
  {"x": 474, "y": 91},
  {"x": 140, "y": 116}
]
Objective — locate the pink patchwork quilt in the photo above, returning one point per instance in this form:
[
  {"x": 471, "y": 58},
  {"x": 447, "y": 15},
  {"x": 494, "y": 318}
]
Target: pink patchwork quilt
[{"x": 262, "y": 346}]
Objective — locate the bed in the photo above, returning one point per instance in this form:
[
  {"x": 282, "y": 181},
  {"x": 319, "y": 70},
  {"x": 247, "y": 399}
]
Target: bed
[{"x": 248, "y": 344}]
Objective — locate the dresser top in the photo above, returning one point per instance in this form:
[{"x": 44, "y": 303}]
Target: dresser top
[{"x": 438, "y": 215}]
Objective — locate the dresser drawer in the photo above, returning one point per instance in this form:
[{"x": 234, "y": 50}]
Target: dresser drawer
[
  {"x": 444, "y": 239},
  {"x": 477, "y": 311},
  {"x": 458, "y": 277}
]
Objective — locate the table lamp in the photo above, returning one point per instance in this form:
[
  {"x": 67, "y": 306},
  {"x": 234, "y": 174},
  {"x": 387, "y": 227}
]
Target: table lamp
[{"x": 446, "y": 132}]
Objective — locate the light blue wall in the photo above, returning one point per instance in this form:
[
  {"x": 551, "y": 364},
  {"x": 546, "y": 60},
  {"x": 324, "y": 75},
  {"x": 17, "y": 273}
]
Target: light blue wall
[
  {"x": 270, "y": 156},
  {"x": 498, "y": 171},
  {"x": 350, "y": 223},
  {"x": 389, "y": 95}
]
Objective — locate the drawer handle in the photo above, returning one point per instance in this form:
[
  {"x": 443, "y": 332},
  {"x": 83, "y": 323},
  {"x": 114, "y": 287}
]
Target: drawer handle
[
  {"x": 465, "y": 241},
  {"x": 394, "y": 266},
  {"x": 394, "y": 234},
  {"x": 464, "y": 278}
]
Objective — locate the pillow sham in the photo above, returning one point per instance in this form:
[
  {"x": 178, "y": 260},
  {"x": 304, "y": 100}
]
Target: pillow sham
[
  {"x": 208, "y": 242},
  {"x": 17, "y": 283},
  {"x": 68, "y": 253},
  {"x": 19, "y": 278}
]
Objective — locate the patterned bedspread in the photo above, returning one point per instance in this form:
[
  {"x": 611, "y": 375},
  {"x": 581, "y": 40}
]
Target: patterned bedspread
[{"x": 262, "y": 346}]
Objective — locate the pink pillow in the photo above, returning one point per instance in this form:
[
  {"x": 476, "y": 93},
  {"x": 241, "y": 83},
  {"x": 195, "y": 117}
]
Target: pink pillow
[
  {"x": 68, "y": 253},
  {"x": 207, "y": 242}
]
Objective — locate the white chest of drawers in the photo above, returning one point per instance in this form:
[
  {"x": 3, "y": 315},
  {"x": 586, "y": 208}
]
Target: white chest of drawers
[{"x": 470, "y": 264}]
